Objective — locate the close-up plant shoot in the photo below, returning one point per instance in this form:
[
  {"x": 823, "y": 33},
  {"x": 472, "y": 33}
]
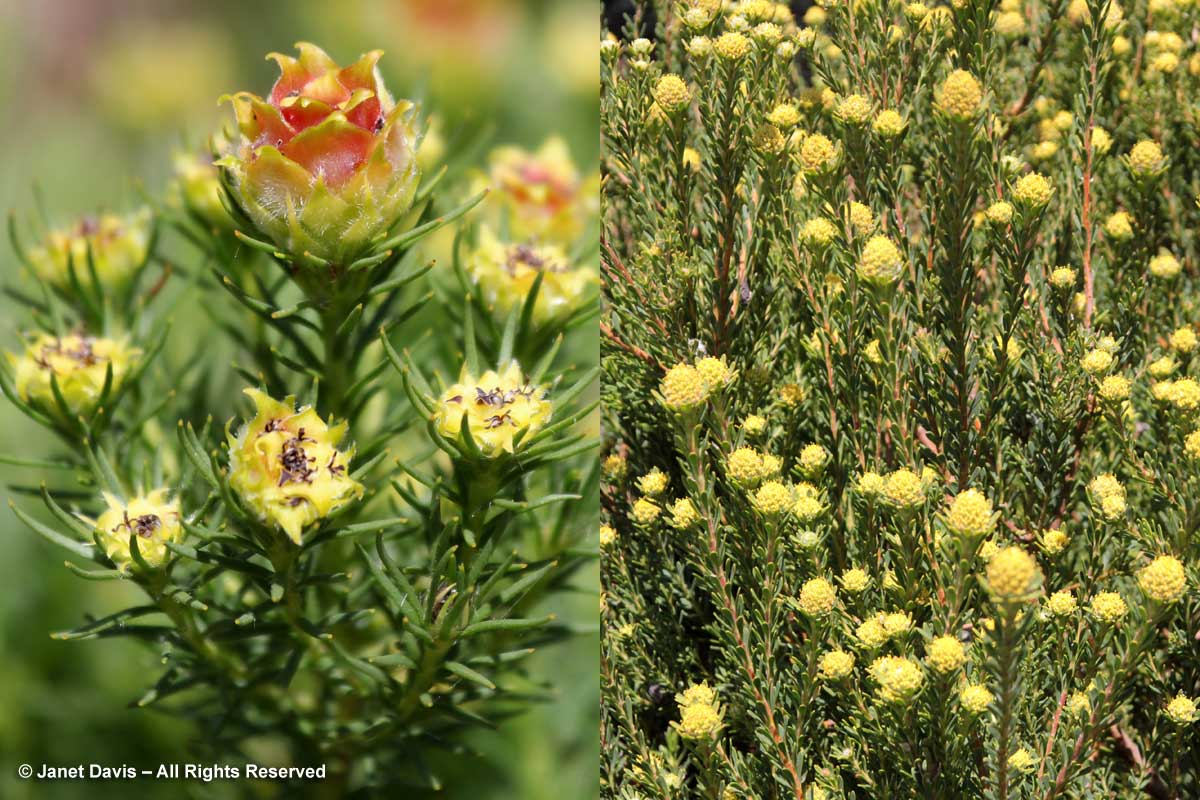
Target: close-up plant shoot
[{"x": 327, "y": 402}]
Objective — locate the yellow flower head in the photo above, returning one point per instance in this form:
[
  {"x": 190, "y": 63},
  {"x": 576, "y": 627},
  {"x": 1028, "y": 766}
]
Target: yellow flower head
[
  {"x": 653, "y": 483},
  {"x": 836, "y": 664},
  {"x": 1033, "y": 190},
  {"x": 744, "y": 466},
  {"x": 1146, "y": 159},
  {"x": 854, "y": 109},
  {"x": 754, "y": 425},
  {"x": 645, "y": 511},
  {"x": 1164, "y": 265},
  {"x": 1079, "y": 704},
  {"x": 1182, "y": 710},
  {"x": 1185, "y": 394},
  {"x": 78, "y": 363},
  {"x": 975, "y": 698},
  {"x": 768, "y": 140},
  {"x": 773, "y": 498},
  {"x": 699, "y": 47},
  {"x": 1101, "y": 141},
  {"x": 791, "y": 394},
  {"x": 1119, "y": 226},
  {"x": 1043, "y": 151},
  {"x": 861, "y": 218},
  {"x": 506, "y": 274},
  {"x": 497, "y": 406},
  {"x": 766, "y": 33},
  {"x": 888, "y": 124},
  {"x": 1163, "y": 579},
  {"x": 971, "y": 514},
  {"x": 1054, "y": 541},
  {"x": 818, "y": 153},
  {"x": 897, "y": 623},
  {"x": 1013, "y": 574},
  {"x": 784, "y": 116},
  {"x": 699, "y": 722},
  {"x": 818, "y": 232},
  {"x": 817, "y": 597},
  {"x": 872, "y": 633},
  {"x": 1106, "y": 485},
  {"x": 1191, "y": 445},
  {"x": 608, "y": 536},
  {"x": 1010, "y": 24},
  {"x": 1108, "y": 607},
  {"x": 1114, "y": 388},
  {"x": 683, "y": 388},
  {"x": 898, "y": 678},
  {"x": 1022, "y": 761},
  {"x": 1062, "y": 604},
  {"x": 945, "y": 654},
  {"x": 988, "y": 550},
  {"x": 854, "y": 580},
  {"x": 731, "y": 46},
  {"x": 151, "y": 518},
  {"x": 999, "y": 212},
  {"x": 904, "y": 489},
  {"x": 684, "y": 514},
  {"x": 812, "y": 461},
  {"x": 881, "y": 262},
  {"x": 1096, "y": 361},
  {"x": 119, "y": 247},
  {"x": 960, "y": 95},
  {"x": 671, "y": 93},
  {"x": 1183, "y": 340},
  {"x": 696, "y": 694},
  {"x": 808, "y": 505},
  {"x": 871, "y": 484},
  {"x": 284, "y": 465},
  {"x": 616, "y": 467},
  {"x": 1062, "y": 278},
  {"x": 715, "y": 372}
]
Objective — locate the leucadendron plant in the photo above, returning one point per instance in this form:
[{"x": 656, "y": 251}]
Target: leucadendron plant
[
  {"x": 901, "y": 459},
  {"x": 349, "y": 541}
]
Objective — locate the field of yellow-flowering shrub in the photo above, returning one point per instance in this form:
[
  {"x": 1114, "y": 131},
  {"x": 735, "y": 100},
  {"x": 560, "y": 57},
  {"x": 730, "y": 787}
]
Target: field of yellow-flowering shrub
[{"x": 902, "y": 456}]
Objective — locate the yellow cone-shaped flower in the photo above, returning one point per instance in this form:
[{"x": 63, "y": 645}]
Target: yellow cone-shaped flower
[
  {"x": 152, "y": 518},
  {"x": 119, "y": 246},
  {"x": 79, "y": 364},
  {"x": 497, "y": 405},
  {"x": 506, "y": 272},
  {"x": 284, "y": 464}
]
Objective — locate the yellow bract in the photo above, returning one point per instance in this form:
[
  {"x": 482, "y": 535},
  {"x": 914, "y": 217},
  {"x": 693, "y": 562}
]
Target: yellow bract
[
  {"x": 506, "y": 273},
  {"x": 78, "y": 363},
  {"x": 497, "y": 406},
  {"x": 119, "y": 246},
  {"x": 285, "y": 466},
  {"x": 151, "y": 518}
]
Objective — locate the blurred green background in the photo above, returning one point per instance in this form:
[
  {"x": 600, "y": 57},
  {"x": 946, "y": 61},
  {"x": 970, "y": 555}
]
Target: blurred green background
[{"x": 97, "y": 94}]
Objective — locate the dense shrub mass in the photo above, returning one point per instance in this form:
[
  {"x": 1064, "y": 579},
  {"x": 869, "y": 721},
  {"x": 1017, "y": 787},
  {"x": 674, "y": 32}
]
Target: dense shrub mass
[{"x": 901, "y": 488}]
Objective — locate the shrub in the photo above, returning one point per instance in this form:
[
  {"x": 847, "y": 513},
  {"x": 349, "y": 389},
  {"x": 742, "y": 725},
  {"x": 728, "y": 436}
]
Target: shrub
[{"x": 952, "y": 248}]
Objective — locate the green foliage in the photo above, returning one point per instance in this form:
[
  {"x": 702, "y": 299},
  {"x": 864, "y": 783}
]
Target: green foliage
[{"x": 886, "y": 294}]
